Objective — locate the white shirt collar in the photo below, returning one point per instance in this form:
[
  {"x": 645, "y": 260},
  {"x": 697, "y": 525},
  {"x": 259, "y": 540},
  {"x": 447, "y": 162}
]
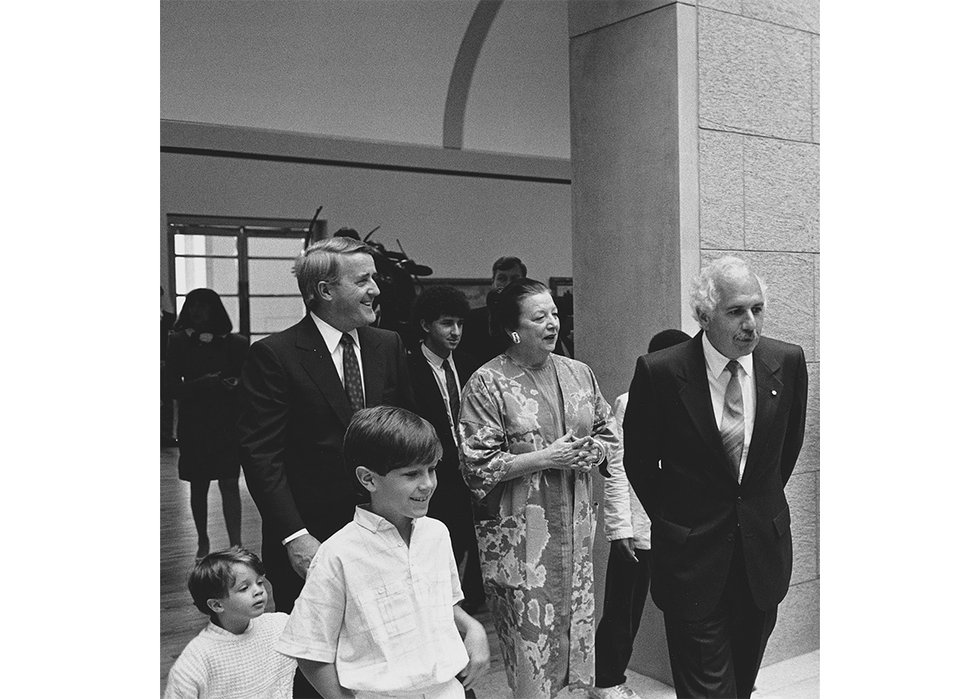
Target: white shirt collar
[
  {"x": 433, "y": 358},
  {"x": 717, "y": 362},
  {"x": 331, "y": 336},
  {"x": 372, "y": 522}
]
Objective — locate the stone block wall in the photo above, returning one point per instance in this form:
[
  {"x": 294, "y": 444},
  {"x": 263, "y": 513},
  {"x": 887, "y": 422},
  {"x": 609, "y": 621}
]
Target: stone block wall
[{"x": 758, "y": 181}]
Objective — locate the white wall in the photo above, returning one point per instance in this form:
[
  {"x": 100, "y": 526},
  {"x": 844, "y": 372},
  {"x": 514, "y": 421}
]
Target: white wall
[
  {"x": 368, "y": 69},
  {"x": 455, "y": 212}
]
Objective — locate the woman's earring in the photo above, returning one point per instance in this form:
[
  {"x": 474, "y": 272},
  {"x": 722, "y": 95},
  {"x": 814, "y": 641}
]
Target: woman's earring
[{"x": 516, "y": 338}]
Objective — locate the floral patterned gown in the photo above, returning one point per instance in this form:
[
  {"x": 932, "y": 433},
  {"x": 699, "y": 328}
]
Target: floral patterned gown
[{"x": 536, "y": 547}]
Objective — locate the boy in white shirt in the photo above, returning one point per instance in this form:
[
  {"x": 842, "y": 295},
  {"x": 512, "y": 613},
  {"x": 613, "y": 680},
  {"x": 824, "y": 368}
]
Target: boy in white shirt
[
  {"x": 232, "y": 657},
  {"x": 378, "y": 615}
]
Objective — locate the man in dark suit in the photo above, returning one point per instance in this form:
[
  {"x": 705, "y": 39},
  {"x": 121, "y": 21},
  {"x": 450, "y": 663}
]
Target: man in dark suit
[
  {"x": 711, "y": 435},
  {"x": 300, "y": 388},
  {"x": 438, "y": 376},
  {"x": 477, "y": 341}
]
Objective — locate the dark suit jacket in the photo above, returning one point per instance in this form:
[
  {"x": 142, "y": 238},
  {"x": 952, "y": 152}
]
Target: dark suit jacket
[
  {"x": 696, "y": 505},
  {"x": 293, "y": 421},
  {"x": 451, "y": 501}
]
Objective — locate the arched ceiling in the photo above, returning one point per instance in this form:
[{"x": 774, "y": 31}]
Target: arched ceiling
[{"x": 381, "y": 70}]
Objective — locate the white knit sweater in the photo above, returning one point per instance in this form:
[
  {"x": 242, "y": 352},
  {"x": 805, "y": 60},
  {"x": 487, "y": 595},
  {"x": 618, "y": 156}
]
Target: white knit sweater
[{"x": 217, "y": 663}]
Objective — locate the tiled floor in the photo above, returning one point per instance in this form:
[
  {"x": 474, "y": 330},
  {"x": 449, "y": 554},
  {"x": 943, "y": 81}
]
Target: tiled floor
[{"x": 796, "y": 678}]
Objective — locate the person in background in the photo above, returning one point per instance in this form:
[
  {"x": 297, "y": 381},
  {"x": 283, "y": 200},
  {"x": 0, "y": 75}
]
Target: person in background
[
  {"x": 232, "y": 656},
  {"x": 203, "y": 364},
  {"x": 438, "y": 374},
  {"x": 167, "y": 319},
  {"x": 533, "y": 428},
  {"x": 628, "y": 571},
  {"x": 300, "y": 388},
  {"x": 379, "y": 614},
  {"x": 712, "y": 432},
  {"x": 478, "y": 341}
]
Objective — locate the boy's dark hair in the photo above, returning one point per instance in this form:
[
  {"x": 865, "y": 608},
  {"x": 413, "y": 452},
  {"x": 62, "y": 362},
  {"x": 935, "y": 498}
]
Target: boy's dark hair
[
  {"x": 384, "y": 438},
  {"x": 505, "y": 305},
  {"x": 437, "y": 301},
  {"x": 212, "y": 576}
]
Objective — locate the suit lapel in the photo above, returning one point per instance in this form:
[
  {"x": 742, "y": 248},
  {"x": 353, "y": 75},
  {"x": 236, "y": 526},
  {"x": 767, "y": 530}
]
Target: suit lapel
[
  {"x": 373, "y": 365},
  {"x": 429, "y": 394},
  {"x": 768, "y": 389},
  {"x": 695, "y": 394},
  {"x": 318, "y": 364}
]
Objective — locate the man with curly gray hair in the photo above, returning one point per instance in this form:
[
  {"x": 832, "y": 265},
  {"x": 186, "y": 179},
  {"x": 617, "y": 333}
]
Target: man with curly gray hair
[{"x": 712, "y": 432}]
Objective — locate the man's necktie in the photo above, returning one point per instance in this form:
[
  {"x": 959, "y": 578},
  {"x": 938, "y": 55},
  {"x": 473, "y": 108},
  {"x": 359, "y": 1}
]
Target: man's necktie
[
  {"x": 733, "y": 418},
  {"x": 453, "y": 391},
  {"x": 352, "y": 374}
]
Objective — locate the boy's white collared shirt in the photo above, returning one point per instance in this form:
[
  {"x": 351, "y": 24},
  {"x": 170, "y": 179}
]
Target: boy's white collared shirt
[{"x": 371, "y": 602}]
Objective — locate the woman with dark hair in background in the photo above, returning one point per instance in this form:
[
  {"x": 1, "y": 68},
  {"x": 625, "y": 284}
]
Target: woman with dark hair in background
[
  {"x": 533, "y": 428},
  {"x": 204, "y": 362}
]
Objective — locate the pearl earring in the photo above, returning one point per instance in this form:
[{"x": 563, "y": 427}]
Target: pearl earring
[{"x": 516, "y": 338}]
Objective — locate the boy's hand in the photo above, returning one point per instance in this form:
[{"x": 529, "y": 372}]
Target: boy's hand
[
  {"x": 478, "y": 648},
  {"x": 301, "y": 551}
]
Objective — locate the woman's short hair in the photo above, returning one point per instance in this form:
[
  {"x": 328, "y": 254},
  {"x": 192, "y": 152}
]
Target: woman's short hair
[
  {"x": 504, "y": 306},
  {"x": 206, "y": 304},
  {"x": 384, "y": 438},
  {"x": 704, "y": 291},
  {"x": 319, "y": 262},
  {"x": 437, "y": 301},
  {"x": 213, "y": 577}
]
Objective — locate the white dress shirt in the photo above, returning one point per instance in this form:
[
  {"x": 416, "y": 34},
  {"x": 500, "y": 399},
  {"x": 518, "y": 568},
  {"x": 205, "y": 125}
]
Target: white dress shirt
[
  {"x": 379, "y": 609},
  {"x": 435, "y": 363},
  {"x": 715, "y": 363},
  {"x": 331, "y": 336}
]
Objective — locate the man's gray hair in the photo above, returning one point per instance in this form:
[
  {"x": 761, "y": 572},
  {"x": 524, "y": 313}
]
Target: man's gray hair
[
  {"x": 704, "y": 291},
  {"x": 319, "y": 262}
]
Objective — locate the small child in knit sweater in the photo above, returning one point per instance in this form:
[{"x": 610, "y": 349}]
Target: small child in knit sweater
[{"x": 233, "y": 656}]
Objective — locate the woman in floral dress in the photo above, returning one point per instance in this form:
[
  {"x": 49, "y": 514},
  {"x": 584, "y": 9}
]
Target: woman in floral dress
[{"x": 534, "y": 428}]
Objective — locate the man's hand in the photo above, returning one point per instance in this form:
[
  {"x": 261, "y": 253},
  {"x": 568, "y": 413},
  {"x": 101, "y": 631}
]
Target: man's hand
[
  {"x": 624, "y": 549},
  {"x": 301, "y": 551}
]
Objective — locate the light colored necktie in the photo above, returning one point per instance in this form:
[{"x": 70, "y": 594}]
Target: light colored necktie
[
  {"x": 733, "y": 418},
  {"x": 352, "y": 374},
  {"x": 453, "y": 391}
]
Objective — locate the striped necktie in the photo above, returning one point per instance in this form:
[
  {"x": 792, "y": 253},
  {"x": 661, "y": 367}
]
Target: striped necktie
[
  {"x": 352, "y": 374},
  {"x": 733, "y": 419}
]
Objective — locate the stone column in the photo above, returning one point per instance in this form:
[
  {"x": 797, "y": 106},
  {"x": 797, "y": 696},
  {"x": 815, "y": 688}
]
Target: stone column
[{"x": 694, "y": 134}]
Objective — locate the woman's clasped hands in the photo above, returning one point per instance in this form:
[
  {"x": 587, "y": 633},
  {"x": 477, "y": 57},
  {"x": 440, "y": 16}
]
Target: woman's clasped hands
[{"x": 574, "y": 453}]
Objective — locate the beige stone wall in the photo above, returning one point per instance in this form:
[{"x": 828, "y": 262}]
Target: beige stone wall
[{"x": 758, "y": 182}]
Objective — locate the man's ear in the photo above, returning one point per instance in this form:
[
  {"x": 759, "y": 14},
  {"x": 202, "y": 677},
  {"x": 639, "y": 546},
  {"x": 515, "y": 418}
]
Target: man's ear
[
  {"x": 425, "y": 326},
  {"x": 323, "y": 290},
  {"x": 215, "y": 605},
  {"x": 366, "y": 477},
  {"x": 703, "y": 320}
]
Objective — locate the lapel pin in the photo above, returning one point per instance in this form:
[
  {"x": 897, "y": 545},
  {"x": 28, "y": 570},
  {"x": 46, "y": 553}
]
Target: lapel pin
[{"x": 774, "y": 391}]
